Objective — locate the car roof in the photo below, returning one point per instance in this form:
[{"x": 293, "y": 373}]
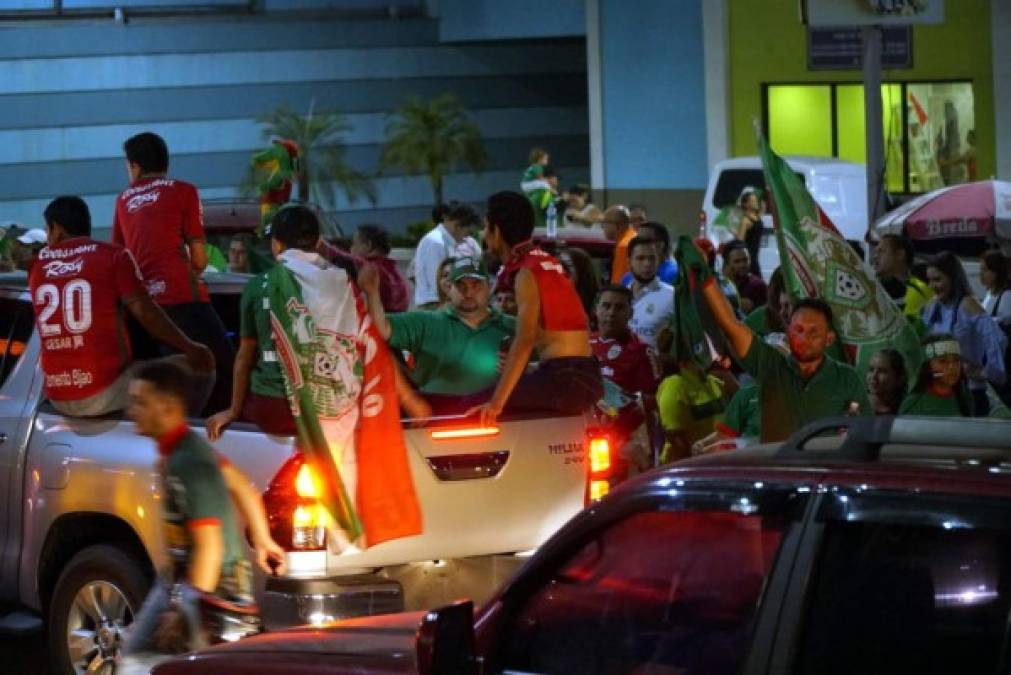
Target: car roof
[
  {"x": 964, "y": 456},
  {"x": 796, "y": 162}
]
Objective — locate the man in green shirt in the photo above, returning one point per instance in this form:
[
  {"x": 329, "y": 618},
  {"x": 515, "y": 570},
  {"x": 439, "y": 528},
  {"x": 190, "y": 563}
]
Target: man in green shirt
[
  {"x": 455, "y": 349},
  {"x": 802, "y": 387}
]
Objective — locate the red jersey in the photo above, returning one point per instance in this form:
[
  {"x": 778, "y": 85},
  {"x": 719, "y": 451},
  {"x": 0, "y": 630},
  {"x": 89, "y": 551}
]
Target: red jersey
[
  {"x": 79, "y": 290},
  {"x": 631, "y": 364},
  {"x": 561, "y": 308},
  {"x": 155, "y": 218}
]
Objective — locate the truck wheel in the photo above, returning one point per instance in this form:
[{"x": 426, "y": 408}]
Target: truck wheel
[{"x": 95, "y": 598}]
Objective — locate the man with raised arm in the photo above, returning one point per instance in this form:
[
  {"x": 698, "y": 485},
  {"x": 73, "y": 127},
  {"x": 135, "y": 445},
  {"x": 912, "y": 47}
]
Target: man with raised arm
[
  {"x": 550, "y": 319},
  {"x": 796, "y": 389}
]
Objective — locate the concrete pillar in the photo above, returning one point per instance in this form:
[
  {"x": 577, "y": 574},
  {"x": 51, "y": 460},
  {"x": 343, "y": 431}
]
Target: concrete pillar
[{"x": 1001, "y": 27}]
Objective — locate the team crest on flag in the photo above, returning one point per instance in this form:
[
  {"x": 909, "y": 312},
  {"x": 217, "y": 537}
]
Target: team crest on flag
[{"x": 819, "y": 262}]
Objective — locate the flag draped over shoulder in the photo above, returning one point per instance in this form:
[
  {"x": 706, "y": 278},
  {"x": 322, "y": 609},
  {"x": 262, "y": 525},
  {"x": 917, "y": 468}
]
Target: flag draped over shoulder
[
  {"x": 340, "y": 384},
  {"x": 818, "y": 262}
]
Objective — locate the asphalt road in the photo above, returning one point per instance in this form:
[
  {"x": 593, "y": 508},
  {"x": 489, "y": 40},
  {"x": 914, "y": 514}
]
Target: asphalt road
[{"x": 24, "y": 655}]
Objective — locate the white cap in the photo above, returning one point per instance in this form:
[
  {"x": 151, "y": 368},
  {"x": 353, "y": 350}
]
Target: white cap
[{"x": 33, "y": 237}]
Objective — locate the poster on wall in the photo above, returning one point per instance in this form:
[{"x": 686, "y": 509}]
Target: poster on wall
[{"x": 871, "y": 12}]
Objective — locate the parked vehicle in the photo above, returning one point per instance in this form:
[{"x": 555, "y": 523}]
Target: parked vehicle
[
  {"x": 80, "y": 534},
  {"x": 886, "y": 550},
  {"x": 839, "y": 187}
]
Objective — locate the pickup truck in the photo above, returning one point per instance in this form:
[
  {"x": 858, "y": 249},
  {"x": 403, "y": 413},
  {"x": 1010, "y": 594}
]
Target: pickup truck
[
  {"x": 884, "y": 550},
  {"x": 80, "y": 536}
]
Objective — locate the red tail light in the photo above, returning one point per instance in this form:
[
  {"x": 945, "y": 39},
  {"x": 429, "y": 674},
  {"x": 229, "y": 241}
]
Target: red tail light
[
  {"x": 296, "y": 516},
  {"x": 600, "y": 466}
]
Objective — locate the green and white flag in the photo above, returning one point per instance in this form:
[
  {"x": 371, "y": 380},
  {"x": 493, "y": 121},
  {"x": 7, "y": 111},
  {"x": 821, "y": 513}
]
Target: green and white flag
[{"x": 818, "y": 262}]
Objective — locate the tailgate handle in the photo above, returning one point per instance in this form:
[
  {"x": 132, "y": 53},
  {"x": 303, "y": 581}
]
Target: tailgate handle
[{"x": 469, "y": 466}]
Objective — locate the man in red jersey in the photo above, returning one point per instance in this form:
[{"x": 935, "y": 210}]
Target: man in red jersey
[
  {"x": 160, "y": 220},
  {"x": 549, "y": 318},
  {"x": 80, "y": 288},
  {"x": 624, "y": 359}
]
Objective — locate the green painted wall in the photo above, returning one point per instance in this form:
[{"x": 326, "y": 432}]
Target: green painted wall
[{"x": 768, "y": 46}]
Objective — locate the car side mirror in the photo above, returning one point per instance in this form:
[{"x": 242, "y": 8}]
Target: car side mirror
[{"x": 445, "y": 641}]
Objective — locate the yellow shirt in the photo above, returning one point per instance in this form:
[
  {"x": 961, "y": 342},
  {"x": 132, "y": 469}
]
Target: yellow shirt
[
  {"x": 918, "y": 294},
  {"x": 619, "y": 264},
  {"x": 690, "y": 403}
]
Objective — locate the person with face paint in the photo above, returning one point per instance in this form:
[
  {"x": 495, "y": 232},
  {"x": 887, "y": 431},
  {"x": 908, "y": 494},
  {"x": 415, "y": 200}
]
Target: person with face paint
[
  {"x": 798, "y": 388},
  {"x": 941, "y": 389}
]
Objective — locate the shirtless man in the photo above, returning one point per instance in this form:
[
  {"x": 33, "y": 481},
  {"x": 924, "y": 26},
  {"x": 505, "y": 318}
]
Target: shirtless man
[{"x": 550, "y": 319}]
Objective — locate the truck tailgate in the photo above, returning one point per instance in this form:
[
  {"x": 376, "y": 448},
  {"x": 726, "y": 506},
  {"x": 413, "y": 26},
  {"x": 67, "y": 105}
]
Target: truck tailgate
[{"x": 481, "y": 495}]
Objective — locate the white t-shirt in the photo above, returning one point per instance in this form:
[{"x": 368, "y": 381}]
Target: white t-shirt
[
  {"x": 652, "y": 311},
  {"x": 433, "y": 248}
]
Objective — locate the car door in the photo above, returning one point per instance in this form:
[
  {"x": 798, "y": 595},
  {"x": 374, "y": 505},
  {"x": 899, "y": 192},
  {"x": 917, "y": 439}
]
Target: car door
[
  {"x": 18, "y": 356},
  {"x": 681, "y": 584},
  {"x": 900, "y": 583}
]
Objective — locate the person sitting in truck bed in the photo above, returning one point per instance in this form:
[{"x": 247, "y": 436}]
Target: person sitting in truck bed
[
  {"x": 258, "y": 393},
  {"x": 550, "y": 319},
  {"x": 455, "y": 349},
  {"x": 79, "y": 289}
]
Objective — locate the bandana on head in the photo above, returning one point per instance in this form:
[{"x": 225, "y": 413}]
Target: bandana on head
[{"x": 942, "y": 348}]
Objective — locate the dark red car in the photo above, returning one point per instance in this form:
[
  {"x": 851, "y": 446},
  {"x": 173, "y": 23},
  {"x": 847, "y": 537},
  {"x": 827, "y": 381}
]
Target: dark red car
[{"x": 884, "y": 550}]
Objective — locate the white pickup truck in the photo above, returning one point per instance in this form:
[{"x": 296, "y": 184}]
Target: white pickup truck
[{"x": 79, "y": 524}]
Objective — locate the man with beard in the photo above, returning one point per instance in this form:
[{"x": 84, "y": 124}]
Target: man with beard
[
  {"x": 796, "y": 389},
  {"x": 455, "y": 349},
  {"x": 652, "y": 300}
]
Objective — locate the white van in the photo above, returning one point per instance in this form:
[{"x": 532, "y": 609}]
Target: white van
[{"x": 839, "y": 187}]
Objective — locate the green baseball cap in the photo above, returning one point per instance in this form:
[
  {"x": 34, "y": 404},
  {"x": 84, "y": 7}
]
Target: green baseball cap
[{"x": 468, "y": 268}]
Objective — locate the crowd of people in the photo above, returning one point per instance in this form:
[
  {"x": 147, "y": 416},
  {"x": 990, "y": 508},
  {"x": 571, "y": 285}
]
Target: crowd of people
[{"x": 498, "y": 325}]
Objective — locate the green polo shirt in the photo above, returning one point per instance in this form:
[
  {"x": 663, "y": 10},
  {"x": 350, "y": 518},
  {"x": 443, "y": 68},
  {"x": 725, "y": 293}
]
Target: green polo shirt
[
  {"x": 450, "y": 357},
  {"x": 254, "y": 322},
  {"x": 789, "y": 401},
  {"x": 930, "y": 405}
]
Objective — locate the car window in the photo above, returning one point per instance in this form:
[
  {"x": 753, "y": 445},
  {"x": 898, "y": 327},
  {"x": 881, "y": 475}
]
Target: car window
[
  {"x": 16, "y": 323},
  {"x": 732, "y": 182},
  {"x": 660, "y": 591},
  {"x": 908, "y": 598}
]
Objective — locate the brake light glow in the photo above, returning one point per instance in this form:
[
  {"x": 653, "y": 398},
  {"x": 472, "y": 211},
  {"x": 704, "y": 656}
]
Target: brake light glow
[
  {"x": 598, "y": 489},
  {"x": 298, "y": 521},
  {"x": 600, "y": 455},
  {"x": 307, "y": 483},
  {"x": 466, "y": 432}
]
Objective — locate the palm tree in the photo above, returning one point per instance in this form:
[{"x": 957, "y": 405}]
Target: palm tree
[
  {"x": 322, "y": 161},
  {"x": 432, "y": 138}
]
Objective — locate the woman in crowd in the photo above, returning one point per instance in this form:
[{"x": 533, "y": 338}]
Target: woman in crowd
[
  {"x": 886, "y": 382},
  {"x": 579, "y": 267},
  {"x": 993, "y": 274},
  {"x": 954, "y": 311},
  {"x": 750, "y": 230},
  {"x": 766, "y": 318},
  {"x": 941, "y": 389},
  {"x": 442, "y": 282}
]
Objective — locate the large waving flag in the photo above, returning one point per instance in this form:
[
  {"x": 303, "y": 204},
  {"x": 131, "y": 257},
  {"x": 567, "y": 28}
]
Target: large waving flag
[
  {"x": 817, "y": 262},
  {"x": 339, "y": 377}
]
